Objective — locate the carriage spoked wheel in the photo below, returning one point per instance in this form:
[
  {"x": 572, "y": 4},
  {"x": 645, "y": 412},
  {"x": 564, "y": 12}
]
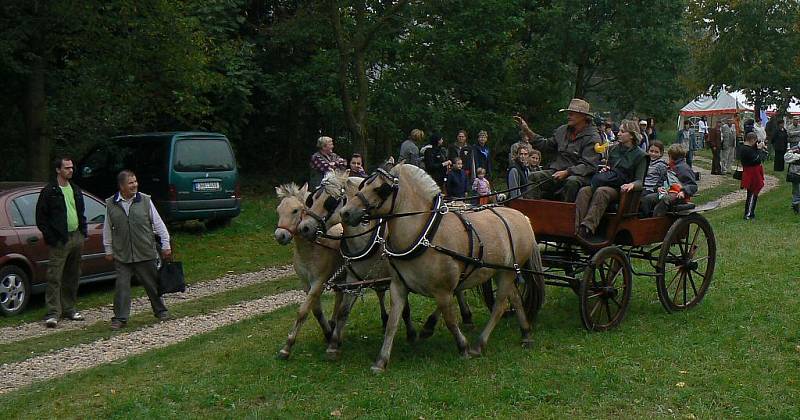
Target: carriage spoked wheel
[
  {"x": 531, "y": 290},
  {"x": 605, "y": 291},
  {"x": 686, "y": 263}
]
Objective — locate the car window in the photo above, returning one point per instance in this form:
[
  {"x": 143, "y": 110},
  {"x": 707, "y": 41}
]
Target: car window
[
  {"x": 26, "y": 205},
  {"x": 95, "y": 211},
  {"x": 195, "y": 155},
  {"x": 16, "y": 216}
]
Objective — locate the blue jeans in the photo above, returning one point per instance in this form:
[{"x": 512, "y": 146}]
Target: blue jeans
[{"x": 795, "y": 193}]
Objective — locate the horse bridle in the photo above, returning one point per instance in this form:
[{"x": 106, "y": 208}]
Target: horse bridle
[
  {"x": 391, "y": 190},
  {"x": 331, "y": 204}
]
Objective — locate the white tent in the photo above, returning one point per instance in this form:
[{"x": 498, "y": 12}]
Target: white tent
[{"x": 723, "y": 104}]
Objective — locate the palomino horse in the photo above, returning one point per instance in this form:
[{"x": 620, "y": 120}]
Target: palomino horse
[
  {"x": 362, "y": 250},
  {"x": 359, "y": 246},
  {"x": 431, "y": 250},
  {"x": 314, "y": 261}
]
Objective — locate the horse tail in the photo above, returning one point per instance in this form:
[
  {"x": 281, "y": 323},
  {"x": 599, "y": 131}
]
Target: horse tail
[{"x": 535, "y": 278}]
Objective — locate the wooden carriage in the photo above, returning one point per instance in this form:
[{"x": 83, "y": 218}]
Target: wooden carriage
[{"x": 680, "y": 249}]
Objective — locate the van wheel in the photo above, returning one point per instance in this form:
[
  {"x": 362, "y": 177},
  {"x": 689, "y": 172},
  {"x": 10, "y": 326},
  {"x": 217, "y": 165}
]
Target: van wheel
[
  {"x": 15, "y": 290},
  {"x": 218, "y": 223}
]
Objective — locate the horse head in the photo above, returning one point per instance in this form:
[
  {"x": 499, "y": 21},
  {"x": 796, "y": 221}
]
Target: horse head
[
  {"x": 290, "y": 211},
  {"x": 323, "y": 204},
  {"x": 375, "y": 197}
]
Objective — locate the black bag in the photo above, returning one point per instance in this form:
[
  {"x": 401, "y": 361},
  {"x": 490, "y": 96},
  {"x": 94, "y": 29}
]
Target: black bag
[
  {"x": 170, "y": 278},
  {"x": 614, "y": 178},
  {"x": 737, "y": 173}
]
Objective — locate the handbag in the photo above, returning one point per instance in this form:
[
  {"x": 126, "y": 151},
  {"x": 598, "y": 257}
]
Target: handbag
[
  {"x": 170, "y": 278},
  {"x": 614, "y": 178},
  {"x": 737, "y": 173}
]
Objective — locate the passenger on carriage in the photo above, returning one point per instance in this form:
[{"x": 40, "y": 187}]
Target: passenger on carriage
[
  {"x": 656, "y": 170},
  {"x": 519, "y": 171},
  {"x": 624, "y": 172},
  {"x": 576, "y": 160},
  {"x": 676, "y": 188}
]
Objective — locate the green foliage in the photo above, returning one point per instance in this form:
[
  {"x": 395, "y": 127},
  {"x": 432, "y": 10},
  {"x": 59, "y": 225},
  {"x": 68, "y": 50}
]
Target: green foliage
[{"x": 749, "y": 45}]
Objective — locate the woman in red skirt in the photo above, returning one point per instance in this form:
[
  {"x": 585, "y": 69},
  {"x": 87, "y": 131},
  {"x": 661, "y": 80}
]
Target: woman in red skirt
[{"x": 752, "y": 172}]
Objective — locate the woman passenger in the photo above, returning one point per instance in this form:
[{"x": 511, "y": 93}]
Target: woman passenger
[{"x": 624, "y": 172}]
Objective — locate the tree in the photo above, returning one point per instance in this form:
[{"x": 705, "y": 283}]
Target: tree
[
  {"x": 749, "y": 45},
  {"x": 355, "y": 27}
]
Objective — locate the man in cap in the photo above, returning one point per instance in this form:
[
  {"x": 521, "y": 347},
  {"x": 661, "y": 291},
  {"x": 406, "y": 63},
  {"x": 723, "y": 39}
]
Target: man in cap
[
  {"x": 576, "y": 160},
  {"x": 644, "y": 143},
  {"x": 793, "y": 130}
]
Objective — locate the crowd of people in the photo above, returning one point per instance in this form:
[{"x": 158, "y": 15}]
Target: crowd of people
[{"x": 591, "y": 161}]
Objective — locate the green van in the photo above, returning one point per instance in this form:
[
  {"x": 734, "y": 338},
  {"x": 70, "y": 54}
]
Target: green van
[{"x": 190, "y": 175}]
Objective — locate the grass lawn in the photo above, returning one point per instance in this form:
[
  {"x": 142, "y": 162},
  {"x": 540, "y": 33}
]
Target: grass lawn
[
  {"x": 736, "y": 354},
  {"x": 246, "y": 245}
]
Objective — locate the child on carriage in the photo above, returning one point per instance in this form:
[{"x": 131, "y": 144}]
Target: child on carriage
[{"x": 677, "y": 187}]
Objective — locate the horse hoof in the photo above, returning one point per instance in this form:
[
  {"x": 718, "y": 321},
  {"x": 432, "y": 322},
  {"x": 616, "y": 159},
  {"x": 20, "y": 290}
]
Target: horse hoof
[
  {"x": 468, "y": 326},
  {"x": 332, "y": 355},
  {"x": 474, "y": 352},
  {"x": 378, "y": 368},
  {"x": 282, "y": 355},
  {"x": 425, "y": 334},
  {"x": 527, "y": 344}
]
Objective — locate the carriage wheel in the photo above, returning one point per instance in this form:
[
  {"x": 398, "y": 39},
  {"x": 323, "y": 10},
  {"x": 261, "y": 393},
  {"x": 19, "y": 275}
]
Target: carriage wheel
[
  {"x": 531, "y": 290},
  {"x": 605, "y": 291},
  {"x": 686, "y": 264}
]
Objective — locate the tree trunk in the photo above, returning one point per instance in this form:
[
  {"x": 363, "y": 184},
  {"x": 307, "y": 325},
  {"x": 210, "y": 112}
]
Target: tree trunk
[
  {"x": 580, "y": 85},
  {"x": 34, "y": 112}
]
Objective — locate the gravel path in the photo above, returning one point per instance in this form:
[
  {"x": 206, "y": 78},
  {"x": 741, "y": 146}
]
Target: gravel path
[
  {"x": 85, "y": 356},
  {"x": 709, "y": 181},
  {"x": 142, "y": 304}
]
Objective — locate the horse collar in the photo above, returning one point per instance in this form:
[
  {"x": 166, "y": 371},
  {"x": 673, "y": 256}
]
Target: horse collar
[{"x": 424, "y": 239}]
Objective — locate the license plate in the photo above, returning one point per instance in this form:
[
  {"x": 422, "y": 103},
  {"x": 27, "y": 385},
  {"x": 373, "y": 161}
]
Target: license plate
[{"x": 207, "y": 186}]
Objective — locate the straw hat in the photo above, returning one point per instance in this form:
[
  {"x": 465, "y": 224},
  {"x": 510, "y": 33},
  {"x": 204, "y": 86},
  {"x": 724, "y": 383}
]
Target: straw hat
[{"x": 578, "y": 105}]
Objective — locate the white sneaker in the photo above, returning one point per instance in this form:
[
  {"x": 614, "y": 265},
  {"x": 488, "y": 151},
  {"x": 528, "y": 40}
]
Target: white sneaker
[{"x": 51, "y": 322}]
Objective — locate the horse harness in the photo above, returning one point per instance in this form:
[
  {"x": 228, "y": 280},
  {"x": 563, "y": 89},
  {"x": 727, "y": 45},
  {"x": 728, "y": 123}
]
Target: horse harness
[{"x": 471, "y": 263}]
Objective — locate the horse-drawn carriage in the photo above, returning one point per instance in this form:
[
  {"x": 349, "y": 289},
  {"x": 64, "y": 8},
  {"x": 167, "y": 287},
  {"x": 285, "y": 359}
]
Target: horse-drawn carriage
[
  {"x": 679, "y": 249},
  {"x": 439, "y": 250}
]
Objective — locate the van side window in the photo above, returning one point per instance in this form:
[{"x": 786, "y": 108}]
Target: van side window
[{"x": 197, "y": 155}]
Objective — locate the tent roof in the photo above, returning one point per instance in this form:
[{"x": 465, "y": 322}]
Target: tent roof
[{"x": 724, "y": 103}]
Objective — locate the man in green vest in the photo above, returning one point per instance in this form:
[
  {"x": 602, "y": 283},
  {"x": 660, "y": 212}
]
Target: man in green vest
[
  {"x": 128, "y": 238},
  {"x": 60, "y": 218}
]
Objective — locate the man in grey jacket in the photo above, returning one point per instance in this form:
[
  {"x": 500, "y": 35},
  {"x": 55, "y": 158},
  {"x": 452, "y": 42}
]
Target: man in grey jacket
[
  {"x": 728, "y": 146},
  {"x": 576, "y": 160},
  {"x": 128, "y": 239},
  {"x": 793, "y": 130}
]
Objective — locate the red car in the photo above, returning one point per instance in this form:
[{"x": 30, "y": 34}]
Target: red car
[{"x": 23, "y": 253}]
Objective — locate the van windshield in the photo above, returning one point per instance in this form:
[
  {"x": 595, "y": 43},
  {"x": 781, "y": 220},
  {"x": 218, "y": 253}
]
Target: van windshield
[{"x": 196, "y": 155}]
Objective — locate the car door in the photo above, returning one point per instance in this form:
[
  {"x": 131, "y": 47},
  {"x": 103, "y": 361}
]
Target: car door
[
  {"x": 93, "y": 261},
  {"x": 33, "y": 246}
]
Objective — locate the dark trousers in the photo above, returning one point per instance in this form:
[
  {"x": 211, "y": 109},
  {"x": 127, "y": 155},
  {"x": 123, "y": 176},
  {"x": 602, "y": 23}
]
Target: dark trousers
[
  {"x": 145, "y": 272},
  {"x": 545, "y": 186},
  {"x": 63, "y": 272},
  {"x": 591, "y": 205},
  {"x": 750, "y": 205},
  {"x": 778, "y": 166},
  {"x": 652, "y": 205},
  {"x": 716, "y": 166}
]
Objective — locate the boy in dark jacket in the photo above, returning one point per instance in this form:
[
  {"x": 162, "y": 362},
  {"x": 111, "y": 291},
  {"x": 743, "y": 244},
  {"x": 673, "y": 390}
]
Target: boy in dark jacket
[
  {"x": 457, "y": 180},
  {"x": 678, "y": 186}
]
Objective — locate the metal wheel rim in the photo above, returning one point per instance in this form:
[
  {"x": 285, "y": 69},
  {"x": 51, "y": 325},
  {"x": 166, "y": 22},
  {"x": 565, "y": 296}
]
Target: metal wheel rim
[{"x": 12, "y": 292}]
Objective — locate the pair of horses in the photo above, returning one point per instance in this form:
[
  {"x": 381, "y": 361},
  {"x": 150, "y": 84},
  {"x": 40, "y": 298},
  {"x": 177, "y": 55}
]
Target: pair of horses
[{"x": 430, "y": 250}]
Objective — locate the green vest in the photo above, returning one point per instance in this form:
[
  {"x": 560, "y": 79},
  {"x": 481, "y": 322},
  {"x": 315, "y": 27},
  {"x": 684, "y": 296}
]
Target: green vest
[{"x": 132, "y": 238}]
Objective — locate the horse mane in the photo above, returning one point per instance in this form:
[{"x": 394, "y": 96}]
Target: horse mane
[
  {"x": 291, "y": 190},
  {"x": 418, "y": 177},
  {"x": 334, "y": 182}
]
